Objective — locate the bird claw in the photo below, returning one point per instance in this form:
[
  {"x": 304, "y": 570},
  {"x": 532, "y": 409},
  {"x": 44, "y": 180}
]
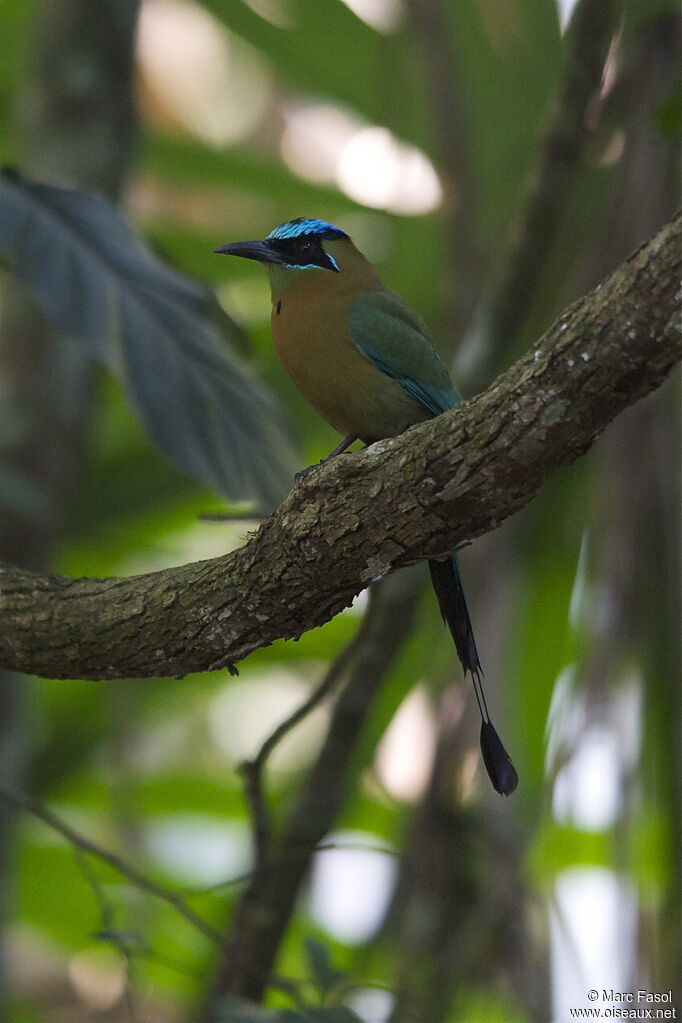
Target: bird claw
[
  {"x": 302, "y": 473},
  {"x": 339, "y": 449}
]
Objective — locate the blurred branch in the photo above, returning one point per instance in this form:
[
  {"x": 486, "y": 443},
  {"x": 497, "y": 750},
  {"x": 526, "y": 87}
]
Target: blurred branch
[
  {"x": 361, "y": 516},
  {"x": 457, "y": 917},
  {"x": 85, "y": 845},
  {"x": 123, "y": 941},
  {"x": 73, "y": 122},
  {"x": 263, "y": 914},
  {"x": 141, "y": 881},
  {"x": 457, "y": 914},
  {"x": 431, "y": 20},
  {"x": 322, "y": 847},
  {"x": 644, "y": 188},
  {"x": 253, "y": 769},
  {"x": 590, "y": 35}
]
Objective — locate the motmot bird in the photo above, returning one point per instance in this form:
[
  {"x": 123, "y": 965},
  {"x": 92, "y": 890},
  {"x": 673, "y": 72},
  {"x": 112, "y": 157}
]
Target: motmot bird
[{"x": 365, "y": 361}]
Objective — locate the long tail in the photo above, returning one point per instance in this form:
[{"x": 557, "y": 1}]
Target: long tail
[{"x": 447, "y": 583}]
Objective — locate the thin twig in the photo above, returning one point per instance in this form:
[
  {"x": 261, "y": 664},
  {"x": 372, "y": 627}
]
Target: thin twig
[
  {"x": 114, "y": 936},
  {"x": 140, "y": 880},
  {"x": 252, "y": 770},
  {"x": 275, "y": 858},
  {"x": 136, "y": 877},
  {"x": 261, "y": 917}
]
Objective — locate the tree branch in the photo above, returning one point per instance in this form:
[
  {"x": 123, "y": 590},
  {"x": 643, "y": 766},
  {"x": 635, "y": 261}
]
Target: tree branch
[
  {"x": 363, "y": 515},
  {"x": 253, "y": 770},
  {"x": 262, "y": 916},
  {"x": 127, "y": 870},
  {"x": 452, "y": 119},
  {"x": 549, "y": 186}
]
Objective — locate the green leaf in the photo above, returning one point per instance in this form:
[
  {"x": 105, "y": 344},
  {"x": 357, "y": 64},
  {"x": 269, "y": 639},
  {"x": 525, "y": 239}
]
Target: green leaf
[
  {"x": 324, "y": 973},
  {"x": 182, "y": 160},
  {"x": 559, "y": 847},
  {"x": 52, "y": 894},
  {"x": 155, "y": 330},
  {"x": 238, "y": 1010},
  {"x": 505, "y": 60},
  {"x": 305, "y": 53},
  {"x": 334, "y": 1014},
  {"x": 17, "y": 36}
]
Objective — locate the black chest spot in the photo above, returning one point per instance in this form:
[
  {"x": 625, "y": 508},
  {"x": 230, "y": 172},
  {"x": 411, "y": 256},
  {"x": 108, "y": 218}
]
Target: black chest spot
[{"x": 278, "y": 307}]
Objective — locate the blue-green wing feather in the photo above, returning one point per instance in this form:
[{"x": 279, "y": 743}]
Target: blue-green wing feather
[
  {"x": 396, "y": 340},
  {"x": 393, "y": 337}
]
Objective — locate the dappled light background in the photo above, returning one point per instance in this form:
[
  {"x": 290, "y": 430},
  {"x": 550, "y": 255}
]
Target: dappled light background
[{"x": 420, "y": 127}]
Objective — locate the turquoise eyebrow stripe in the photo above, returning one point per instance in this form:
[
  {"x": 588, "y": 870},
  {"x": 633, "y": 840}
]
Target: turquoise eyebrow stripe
[{"x": 311, "y": 266}]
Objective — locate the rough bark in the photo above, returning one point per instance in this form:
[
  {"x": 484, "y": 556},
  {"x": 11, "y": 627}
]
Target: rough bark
[{"x": 363, "y": 515}]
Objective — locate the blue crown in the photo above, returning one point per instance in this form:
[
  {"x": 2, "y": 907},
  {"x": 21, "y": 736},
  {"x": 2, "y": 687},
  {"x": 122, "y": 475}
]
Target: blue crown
[{"x": 300, "y": 226}]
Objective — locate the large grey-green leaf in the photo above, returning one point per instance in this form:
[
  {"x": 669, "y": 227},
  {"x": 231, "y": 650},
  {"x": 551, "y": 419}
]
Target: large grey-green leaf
[{"x": 155, "y": 330}]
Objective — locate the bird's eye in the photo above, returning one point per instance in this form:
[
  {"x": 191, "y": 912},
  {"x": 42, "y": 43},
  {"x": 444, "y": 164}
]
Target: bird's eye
[{"x": 306, "y": 247}]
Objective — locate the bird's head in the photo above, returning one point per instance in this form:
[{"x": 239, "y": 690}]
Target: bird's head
[
  {"x": 299, "y": 248},
  {"x": 297, "y": 245}
]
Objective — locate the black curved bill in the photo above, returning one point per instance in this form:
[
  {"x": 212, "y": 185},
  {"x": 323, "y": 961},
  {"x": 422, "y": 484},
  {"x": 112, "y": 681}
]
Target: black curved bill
[{"x": 260, "y": 251}]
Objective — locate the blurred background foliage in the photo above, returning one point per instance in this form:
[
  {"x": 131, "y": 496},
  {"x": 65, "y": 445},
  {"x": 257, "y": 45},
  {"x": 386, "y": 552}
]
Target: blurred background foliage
[{"x": 495, "y": 160}]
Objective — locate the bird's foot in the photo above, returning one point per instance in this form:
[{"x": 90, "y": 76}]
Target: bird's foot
[
  {"x": 339, "y": 449},
  {"x": 302, "y": 473}
]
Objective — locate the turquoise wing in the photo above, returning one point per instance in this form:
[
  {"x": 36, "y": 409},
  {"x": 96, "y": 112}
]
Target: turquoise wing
[{"x": 396, "y": 340}]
